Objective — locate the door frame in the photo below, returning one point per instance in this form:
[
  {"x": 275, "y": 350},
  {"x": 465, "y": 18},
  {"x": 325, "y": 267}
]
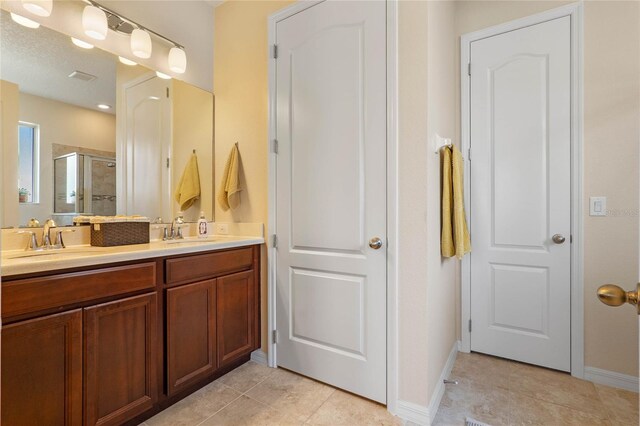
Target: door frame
[
  {"x": 392, "y": 191},
  {"x": 575, "y": 12}
]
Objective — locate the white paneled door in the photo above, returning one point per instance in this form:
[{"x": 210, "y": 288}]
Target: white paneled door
[
  {"x": 147, "y": 149},
  {"x": 521, "y": 195},
  {"x": 331, "y": 195}
]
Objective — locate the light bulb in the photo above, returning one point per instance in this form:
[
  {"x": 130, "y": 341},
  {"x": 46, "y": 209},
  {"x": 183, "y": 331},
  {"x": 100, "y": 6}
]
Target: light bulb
[
  {"x": 94, "y": 22},
  {"x": 163, "y": 76},
  {"x": 141, "y": 43},
  {"x": 25, "y": 22},
  {"x": 177, "y": 60},
  {"x": 127, "y": 61},
  {"x": 38, "y": 7},
  {"x": 81, "y": 43},
  {"x": 104, "y": 106}
]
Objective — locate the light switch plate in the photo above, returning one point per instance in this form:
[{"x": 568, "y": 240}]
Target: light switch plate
[{"x": 597, "y": 206}]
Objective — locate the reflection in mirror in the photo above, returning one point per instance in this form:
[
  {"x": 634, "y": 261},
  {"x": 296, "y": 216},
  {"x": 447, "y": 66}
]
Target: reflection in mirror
[{"x": 78, "y": 145}]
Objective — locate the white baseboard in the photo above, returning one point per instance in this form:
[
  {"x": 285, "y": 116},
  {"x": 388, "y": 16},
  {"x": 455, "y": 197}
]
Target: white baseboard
[
  {"x": 259, "y": 356},
  {"x": 438, "y": 393},
  {"x": 611, "y": 378},
  {"x": 420, "y": 415},
  {"x": 414, "y": 413}
]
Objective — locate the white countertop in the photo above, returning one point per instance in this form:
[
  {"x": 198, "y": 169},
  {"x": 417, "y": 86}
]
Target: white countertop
[{"x": 13, "y": 262}]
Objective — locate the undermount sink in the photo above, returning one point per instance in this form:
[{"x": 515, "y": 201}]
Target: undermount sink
[
  {"x": 192, "y": 240},
  {"x": 87, "y": 251}
]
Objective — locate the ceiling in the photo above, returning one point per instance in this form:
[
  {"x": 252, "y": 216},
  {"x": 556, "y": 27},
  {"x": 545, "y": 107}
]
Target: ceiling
[{"x": 40, "y": 61}]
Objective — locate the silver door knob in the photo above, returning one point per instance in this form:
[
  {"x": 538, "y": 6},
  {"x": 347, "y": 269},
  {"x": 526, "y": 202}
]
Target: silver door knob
[
  {"x": 375, "y": 243},
  {"x": 558, "y": 238}
]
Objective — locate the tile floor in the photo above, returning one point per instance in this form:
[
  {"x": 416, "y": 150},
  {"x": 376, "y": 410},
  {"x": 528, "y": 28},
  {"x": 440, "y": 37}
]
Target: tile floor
[
  {"x": 257, "y": 395},
  {"x": 502, "y": 392},
  {"x": 492, "y": 390}
]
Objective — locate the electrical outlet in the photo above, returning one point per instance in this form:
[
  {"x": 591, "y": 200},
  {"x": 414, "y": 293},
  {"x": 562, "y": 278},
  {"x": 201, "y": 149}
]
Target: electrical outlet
[{"x": 222, "y": 228}]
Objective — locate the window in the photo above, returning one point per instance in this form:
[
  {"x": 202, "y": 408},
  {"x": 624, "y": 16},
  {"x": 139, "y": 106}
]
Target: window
[{"x": 28, "y": 162}]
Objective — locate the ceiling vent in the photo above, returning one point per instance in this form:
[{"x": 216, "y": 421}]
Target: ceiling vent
[{"x": 79, "y": 75}]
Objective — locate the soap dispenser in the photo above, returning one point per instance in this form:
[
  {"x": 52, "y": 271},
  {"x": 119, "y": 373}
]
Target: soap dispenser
[{"x": 202, "y": 226}]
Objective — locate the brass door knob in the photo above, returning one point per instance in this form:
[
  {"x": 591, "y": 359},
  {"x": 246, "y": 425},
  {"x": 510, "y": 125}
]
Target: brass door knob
[
  {"x": 613, "y": 295},
  {"x": 375, "y": 243}
]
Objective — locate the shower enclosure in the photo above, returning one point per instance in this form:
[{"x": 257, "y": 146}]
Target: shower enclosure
[{"x": 84, "y": 184}]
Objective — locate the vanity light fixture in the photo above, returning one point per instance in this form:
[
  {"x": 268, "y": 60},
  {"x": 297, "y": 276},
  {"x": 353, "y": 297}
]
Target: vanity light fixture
[
  {"x": 38, "y": 7},
  {"x": 141, "y": 43},
  {"x": 140, "y": 36},
  {"x": 127, "y": 61},
  {"x": 81, "y": 43},
  {"x": 25, "y": 22},
  {"x": 104, "y": 106},
  {"x": 177, "y": 60},
  {"x": 94, "y": 22},
  {"x": 163, "y": 76}
]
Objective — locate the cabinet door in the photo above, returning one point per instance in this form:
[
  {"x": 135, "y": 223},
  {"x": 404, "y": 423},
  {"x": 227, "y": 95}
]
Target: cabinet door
[
  {"x": 191, "y": 334},
  {"x": 42, "y": 371},
  {"x": 236, "y": 316},
  {"x": 120, "y": 359}
]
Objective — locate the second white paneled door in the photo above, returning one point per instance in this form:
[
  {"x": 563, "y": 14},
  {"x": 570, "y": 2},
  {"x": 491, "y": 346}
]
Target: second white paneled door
[
  {"x": 331, "y": 195},
  {"x": 521, "y": 194}
]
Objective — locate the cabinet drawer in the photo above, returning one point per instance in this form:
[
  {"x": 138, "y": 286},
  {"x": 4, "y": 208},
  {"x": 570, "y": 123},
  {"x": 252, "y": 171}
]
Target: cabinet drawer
[
  {"x": 38, "y": 294},
  {"x": 192, "y": 268}
]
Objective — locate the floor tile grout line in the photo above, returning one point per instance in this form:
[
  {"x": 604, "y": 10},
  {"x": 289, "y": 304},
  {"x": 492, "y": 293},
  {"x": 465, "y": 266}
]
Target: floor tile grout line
[
  {"x": 321, "y": 405},
  {"x": 228, "y": 404}
]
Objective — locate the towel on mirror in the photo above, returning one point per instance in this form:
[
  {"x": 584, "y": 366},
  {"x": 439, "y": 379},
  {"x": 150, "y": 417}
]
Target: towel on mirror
[
  {"x": 188, "y": 190},
  {"x": 455, "y": 234},
  {"x": 229, "y": 194}
]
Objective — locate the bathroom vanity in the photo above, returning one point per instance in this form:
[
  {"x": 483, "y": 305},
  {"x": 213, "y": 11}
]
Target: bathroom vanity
[{"x": 115, "y": 337}]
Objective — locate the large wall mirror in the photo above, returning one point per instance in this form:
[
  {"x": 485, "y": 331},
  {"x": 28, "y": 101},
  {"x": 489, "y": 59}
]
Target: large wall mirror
[{"x": 95, "y": 136}]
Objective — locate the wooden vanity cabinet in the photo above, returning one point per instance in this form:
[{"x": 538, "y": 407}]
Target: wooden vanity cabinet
[
  {"x": 191, "y": 334},
  {"x": 212, "y": 321},
  {"x": 235, "y": 315},
  {"x": 42, "y": 371},
  {"x": 115, "y": 344},
  {"x": 120, "y": 353}
]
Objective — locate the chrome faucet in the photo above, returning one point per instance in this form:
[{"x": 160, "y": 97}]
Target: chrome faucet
[
  {"x": 46, "y": 233},
  {"x": 176, "y": 227},
  {"x": 32, "y": 245}
]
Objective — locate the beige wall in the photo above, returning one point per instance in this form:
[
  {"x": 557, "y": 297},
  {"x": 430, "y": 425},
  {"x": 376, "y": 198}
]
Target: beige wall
[
  {"x": 413, "y": 254},
  {"x": 441, "y": 108},
  {"x": 9, "y": 116},
  {"x": 240, "y": 84},
  {"x": 611, "y": 156},
  {"x": 64, "y": 124},
  {"x": 192, "y": 129}
]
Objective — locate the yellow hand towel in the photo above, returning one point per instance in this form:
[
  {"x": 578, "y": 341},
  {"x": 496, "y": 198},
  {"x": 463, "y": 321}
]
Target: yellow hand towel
[
  {"x": 446, "y": 243},
  {"x": 461, "y": 239},
  {"x": 188, "y": 190},
  {"x": 229, "y": 195},
  {"x": 455, "y": 239}
]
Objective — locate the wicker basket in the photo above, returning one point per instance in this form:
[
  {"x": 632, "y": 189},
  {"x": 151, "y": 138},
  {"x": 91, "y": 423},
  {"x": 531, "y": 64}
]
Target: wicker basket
[{"x": 119, "y": 233}]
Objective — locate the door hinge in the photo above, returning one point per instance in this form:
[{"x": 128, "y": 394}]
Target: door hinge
[
  {"x": 469, "y": 154},
  {"x": 469, "y": 68},
  {"x": 274, "y": 241},
  {"x": 274, "y": 337},
  {"x": 274, "y": 51},
  {"x": 274, "y": 146},
  {"x": 167, "y": 162},
  {"x": 167, "y": 92},
  {"x": 469, "y": 326}
]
